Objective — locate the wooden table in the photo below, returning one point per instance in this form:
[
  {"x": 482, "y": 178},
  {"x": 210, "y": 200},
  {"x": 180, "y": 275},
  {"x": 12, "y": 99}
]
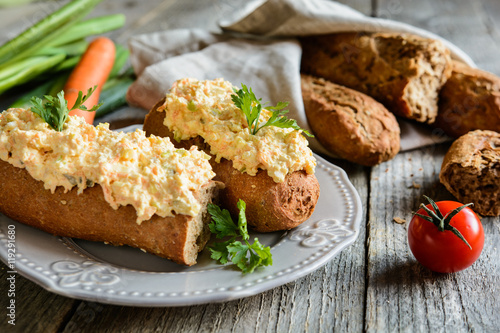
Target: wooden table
[{"x": 375, "y": 284}]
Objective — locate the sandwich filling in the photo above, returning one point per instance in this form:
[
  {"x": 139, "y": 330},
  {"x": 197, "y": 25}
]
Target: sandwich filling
[
  {"x": 148, "y": 173},
  {"x": 205, "y": 108}
]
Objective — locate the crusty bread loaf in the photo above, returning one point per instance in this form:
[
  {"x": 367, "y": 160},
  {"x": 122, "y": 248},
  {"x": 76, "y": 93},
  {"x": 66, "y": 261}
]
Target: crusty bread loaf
[
  {"x": 469, "y": 100},
  {"x": 403, "y": 72},
  {"x": 471, "y": 171},
  {"x": 348, "y": 123},
  {"x": 270, "y": 206},
  {"x": 89, "y": 216}
]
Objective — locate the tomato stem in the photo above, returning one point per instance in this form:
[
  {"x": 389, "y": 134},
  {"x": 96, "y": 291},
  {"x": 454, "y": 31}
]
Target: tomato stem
[{"x": 443, "y": 222}]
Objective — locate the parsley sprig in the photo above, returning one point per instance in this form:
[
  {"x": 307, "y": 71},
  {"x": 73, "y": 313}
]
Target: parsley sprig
[
  {"x": 55, "y": 111},
  {"x": 244, "y": 255},
  {"x": 246, "y": 101}
]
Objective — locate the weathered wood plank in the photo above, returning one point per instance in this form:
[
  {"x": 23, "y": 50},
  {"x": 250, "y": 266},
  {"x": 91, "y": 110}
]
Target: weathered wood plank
[
  {"x": 37, "y": 310},
  {"x": 403, "y": 295}
]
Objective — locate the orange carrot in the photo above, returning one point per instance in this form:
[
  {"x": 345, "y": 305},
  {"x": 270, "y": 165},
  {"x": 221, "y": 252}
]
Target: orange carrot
[{"x": 92, "y": 69}]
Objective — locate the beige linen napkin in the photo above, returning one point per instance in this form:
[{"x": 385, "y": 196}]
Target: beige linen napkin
[{"x": 267, "y": 58}]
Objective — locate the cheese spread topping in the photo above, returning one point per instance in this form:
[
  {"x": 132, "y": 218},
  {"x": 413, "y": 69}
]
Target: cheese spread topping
[
  {"x": 148, "y": 173},
  {"x": 205, "y": 108}
]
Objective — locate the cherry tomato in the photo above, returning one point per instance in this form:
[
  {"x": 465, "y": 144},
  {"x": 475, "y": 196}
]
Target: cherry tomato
[{"x": 444, "y": 251}]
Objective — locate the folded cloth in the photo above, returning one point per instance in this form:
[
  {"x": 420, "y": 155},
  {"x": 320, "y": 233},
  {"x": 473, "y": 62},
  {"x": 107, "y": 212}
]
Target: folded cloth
[{"x": 258, "y": 48}]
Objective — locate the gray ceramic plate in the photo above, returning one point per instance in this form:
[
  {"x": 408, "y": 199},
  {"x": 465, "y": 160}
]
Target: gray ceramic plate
[{"x": 126, "y": 276}]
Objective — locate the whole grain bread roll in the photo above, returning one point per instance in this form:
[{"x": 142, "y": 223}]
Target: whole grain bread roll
[
  {"x": 89, "y": 216},
  {"x": 471, "y": 171},
  {"x": 469, "y": 100},
  {"x": 348, "y": 123},
  {"x": 404, "y": 72},
  {"x": 270, "y": 206}
]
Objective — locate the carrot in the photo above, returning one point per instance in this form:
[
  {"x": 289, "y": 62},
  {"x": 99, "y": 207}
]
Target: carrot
[{"x": 92, "y": 70}]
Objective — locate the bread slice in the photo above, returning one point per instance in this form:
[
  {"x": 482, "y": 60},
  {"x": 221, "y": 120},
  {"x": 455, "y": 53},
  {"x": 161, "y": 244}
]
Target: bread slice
[
  {"x": 469, "y": 100},
  {"x": 471, "y": 171},
  {"x": 89, "y": 216},
  {"x": 348, "y": 123},
  {"x": 270, "y": 206},
  {"x": 404, "y": 72}
]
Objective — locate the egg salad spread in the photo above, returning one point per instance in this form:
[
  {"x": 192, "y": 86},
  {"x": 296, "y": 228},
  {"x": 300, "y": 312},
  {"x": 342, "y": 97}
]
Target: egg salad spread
[
  {"x": 148, "y": 173},
  {"x": 205, "y": 108}
]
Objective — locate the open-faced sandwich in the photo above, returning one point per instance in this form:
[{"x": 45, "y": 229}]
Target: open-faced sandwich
[
  {"x": 76, "y": 180},
  {"x": 260, "y": 155}
]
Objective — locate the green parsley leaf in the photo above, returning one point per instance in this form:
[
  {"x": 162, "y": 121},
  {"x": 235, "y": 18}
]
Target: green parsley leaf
[
  {"x": 220, "y": 252},
  {"x": 55, "y": 111},
  {"x": 221, "y": 225},
  {"x": 245, "y": 100},
  {"x": 262, "y": 252},
  {"x": 244, "y": 255},
  {"x": 238, "y": 254}
]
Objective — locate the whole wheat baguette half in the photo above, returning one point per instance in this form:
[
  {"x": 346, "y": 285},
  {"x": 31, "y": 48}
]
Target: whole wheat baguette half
[
  {"x": 469, "y": 100},
  {"x": 89, "y": 216},
  {"x": 471, "y": 171},
  {"x": 348, "y": 123},
  {"x": 402, "y": 71},
  {"x": 270, "y": 206}
]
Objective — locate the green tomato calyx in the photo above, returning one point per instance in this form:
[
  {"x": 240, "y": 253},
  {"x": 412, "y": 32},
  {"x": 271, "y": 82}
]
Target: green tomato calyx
[{"x": 443, "y": 222}]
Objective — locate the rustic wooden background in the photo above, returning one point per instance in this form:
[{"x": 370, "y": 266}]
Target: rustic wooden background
[{"x": 374, "y": 285}]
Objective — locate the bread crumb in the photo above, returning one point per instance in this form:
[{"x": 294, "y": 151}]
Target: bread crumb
[
  {"x": 64, "y": 202},
  {"x": 399, "y": 220},
  {"x": 254, "y": 186},
  {"x": 414, "y": 185}
]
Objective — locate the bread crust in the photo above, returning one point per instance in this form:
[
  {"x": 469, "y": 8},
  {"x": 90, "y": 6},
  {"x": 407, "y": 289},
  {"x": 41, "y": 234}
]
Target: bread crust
[
  {"x": 348, "y": 123},
  {"x": 471, "y": 171},
  {"x": 89, "y": 216},
  {"x": 404, "y": 72},
  {"x": 469, "y": 100},
  {"x": 270, "y": 206}
]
